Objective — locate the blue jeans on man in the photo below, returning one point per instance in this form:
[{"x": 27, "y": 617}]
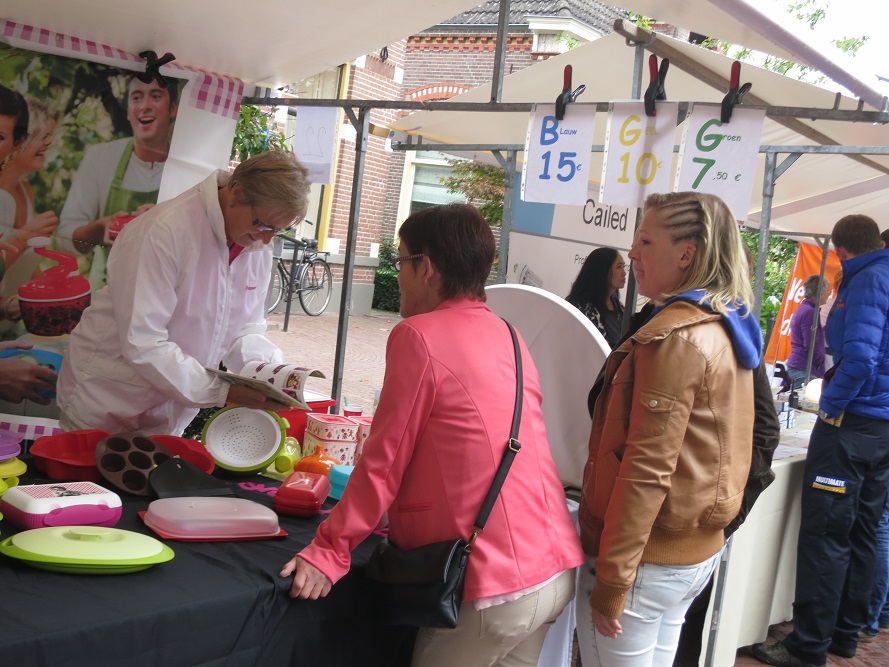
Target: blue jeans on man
[
  {"x": 878, "y": 610},
  {"x": 843, "y": 497}
]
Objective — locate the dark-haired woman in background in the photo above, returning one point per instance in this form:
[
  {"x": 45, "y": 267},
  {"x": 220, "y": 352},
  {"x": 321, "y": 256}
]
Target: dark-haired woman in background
[{"x": 594, "y": 291}]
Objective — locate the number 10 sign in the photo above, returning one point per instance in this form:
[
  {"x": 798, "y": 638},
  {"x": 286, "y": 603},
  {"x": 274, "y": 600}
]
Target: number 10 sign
[{"x": 557, "y": 155}]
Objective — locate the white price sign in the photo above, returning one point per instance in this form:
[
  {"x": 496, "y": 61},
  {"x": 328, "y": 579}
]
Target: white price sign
[
  {"x": 720, "y": 159},
  {"x": 314, "y": 141},
  {"x": 638, "y": 152},
  {"x": 557, "y": 155}
]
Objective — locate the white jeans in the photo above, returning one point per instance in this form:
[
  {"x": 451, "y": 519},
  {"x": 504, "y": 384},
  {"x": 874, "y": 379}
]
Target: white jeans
[{"x": 653, "y": 616}]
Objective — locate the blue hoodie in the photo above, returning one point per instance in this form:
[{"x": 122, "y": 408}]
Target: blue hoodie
[{"x": 743, "y": 329}]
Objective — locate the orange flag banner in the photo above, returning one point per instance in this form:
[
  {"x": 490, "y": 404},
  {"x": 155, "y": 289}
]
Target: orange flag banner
[{"x": 807, "y": 263}]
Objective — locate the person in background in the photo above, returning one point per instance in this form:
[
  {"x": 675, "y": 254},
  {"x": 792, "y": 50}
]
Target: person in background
[
  {"x": 440, "y": 431},
  {"x": 13, "y": 132},
  {"x": 186, "y": 291},
  {"x": 824, "y": 311},
  {"x": 878, "y": 608},
  {"x": 670, "y": 445},
  {"x": 120, "y": 177},
  {"x": 595, "y": 291},
  {"x": 847, "y": 463},
  {"x": 26, "y": 223},
  {"x": 801, "y": 338}
]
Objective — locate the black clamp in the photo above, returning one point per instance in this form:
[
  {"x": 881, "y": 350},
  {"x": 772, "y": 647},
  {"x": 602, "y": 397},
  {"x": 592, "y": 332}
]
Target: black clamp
[
  {"x": 152, "y": 67},
  {"x": 735, "y": 93},
  {"x": 567, "y": 95},
  {"x": 655, "y": 90}
]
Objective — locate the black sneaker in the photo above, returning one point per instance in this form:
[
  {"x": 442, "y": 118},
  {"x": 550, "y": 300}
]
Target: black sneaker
[
  {"x": 779, "y": 656},
  {"x": 842, "y": 651}
]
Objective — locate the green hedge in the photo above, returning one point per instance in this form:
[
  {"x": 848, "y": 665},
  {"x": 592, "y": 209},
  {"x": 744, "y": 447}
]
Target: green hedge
[{"x": 386, "y": 279}]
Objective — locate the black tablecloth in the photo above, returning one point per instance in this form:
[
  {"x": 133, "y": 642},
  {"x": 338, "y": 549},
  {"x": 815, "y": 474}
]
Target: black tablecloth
[{"x": 215, "y": 603}]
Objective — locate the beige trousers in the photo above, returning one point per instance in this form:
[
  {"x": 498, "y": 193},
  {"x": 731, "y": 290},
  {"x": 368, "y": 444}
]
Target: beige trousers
[{"x": 507, "y": 635}]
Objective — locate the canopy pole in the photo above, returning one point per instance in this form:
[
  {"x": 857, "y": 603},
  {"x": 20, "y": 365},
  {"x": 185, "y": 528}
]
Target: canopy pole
[
  {"x": 500, "y": 52},
  {"x": 362, "y": 126},
  {"x": 509, "y": 171}
]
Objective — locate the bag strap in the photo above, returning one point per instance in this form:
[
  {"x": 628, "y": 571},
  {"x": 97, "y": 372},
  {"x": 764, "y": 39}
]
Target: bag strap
[{"x": 512, "y": 448}]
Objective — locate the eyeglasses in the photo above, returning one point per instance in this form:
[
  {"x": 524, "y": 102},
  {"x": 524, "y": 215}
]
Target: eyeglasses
[
  {"x": 262, "y": 227},
  {"x": 398, "y": 261}
]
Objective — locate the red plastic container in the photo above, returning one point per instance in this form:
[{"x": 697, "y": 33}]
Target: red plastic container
[
  {"x": 188, "y": 450},
  {"x": 70, "y": 455},
  {"x": 302, "y": 494},
  {"x": 53, "y": 303},
  {"x": 117, "y": 226},
  {"x": 298, "y": 418}
]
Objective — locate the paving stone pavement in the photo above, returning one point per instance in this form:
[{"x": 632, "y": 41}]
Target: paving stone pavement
[{"x": 311, "y": 341}]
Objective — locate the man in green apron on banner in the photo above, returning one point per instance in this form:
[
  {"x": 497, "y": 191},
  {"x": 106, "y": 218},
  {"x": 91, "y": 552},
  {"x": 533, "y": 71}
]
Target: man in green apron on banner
[{"x": 120, "y": 177}]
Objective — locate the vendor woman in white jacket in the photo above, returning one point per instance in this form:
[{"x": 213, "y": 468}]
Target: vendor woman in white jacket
[{"x": 186, "y": 290}]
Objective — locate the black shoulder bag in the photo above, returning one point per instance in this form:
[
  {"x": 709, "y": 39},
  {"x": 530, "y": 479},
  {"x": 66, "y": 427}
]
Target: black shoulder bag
[{"x": 423, "y": 587}]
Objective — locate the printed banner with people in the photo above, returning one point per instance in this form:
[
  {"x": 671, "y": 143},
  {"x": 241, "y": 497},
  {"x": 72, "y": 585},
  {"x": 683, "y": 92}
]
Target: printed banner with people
[
  {"x": 807, "y": 263},
  {"x": 87, "y": 144}
]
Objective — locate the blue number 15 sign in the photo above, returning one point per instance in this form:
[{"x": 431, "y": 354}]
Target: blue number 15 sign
[{"x": 557, "y": 155}]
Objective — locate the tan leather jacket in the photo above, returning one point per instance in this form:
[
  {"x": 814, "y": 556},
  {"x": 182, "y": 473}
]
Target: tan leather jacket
[{"x": 669, "y": 450}]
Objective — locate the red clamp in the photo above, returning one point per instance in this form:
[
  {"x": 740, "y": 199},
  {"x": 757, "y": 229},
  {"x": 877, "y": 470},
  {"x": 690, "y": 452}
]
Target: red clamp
[
  {"x": 567, "y": 95},
  {"x": 735, "y": 93},
  {"x": 655, "y": 90}
]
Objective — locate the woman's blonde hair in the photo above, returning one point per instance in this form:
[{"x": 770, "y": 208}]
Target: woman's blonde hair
[
  {"x": 719, "y": 267},
  {"x": 275, "y": 179}
]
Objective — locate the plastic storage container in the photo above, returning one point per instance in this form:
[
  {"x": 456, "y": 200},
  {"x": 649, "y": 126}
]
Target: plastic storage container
[
  {"x": 298, "y": 418},
  {"x": 302, "y": 494},
  {"x": 62, "y": 504},
  {"x": 339, "y": 477},
  {"x": 211, "y": 519}
]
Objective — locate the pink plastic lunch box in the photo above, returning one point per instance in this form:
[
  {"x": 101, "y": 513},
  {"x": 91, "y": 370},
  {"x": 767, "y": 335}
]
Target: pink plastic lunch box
[{"x": 60, "y": 504}]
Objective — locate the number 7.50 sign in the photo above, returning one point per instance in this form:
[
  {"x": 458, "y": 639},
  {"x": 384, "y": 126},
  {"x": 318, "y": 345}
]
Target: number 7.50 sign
[
  {"x": 720, "y": 158},
  {"x": 557, "y": 155}
]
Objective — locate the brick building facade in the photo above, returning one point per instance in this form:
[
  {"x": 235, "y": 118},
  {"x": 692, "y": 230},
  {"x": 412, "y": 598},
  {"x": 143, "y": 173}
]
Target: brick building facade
[{"x": 436, "y": 64}]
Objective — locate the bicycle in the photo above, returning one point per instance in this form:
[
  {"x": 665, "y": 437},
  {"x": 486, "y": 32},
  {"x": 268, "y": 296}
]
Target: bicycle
[{"x": 311, "y": 280}]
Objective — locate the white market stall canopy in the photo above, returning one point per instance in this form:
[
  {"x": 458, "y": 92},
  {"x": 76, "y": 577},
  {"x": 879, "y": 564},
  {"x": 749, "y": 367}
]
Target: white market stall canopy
[
  {"x": 809, "y": 197},
  {"x": 270, "y": 43}
]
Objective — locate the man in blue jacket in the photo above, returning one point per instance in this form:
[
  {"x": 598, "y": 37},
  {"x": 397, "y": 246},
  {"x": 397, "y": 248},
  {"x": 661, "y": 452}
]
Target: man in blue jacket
[{"x": 847, "y": 465}]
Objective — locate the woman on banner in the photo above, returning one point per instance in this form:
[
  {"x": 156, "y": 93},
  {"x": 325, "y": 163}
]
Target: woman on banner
[
  {"x": 670, "y": 446},
  {"x": 13, "y": 132},
  {"x": 186, "y": 292},
  {"x": 26, "y": 223},
  {"x": 595, "y": 291},
  {"x": 439, "y": 432}
]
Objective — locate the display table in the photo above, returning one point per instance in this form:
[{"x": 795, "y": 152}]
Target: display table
[
  {"x": 215, "y": 603},
  {"x": 759, "y": 568}
]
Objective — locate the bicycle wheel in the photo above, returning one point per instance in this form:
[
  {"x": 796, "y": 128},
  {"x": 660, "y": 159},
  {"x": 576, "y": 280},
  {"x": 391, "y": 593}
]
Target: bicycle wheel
[
  {"x": 315, "y": 286},
  {"x": 277, "y": 285}
]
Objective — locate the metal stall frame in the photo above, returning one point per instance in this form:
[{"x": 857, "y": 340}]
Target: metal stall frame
[{"x": 506, "y": 155}]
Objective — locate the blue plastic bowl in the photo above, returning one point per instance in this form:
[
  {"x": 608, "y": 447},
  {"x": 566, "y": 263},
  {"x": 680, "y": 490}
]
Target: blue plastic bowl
[{"x": 52, "y": 360}]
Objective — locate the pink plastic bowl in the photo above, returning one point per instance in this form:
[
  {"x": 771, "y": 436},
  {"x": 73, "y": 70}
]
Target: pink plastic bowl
[{"x": 69, "y": 456}]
